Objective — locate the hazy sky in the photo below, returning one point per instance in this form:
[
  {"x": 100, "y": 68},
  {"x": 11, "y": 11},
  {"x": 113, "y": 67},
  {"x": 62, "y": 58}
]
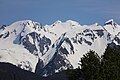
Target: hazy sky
[{"x": 48, "y": 11}]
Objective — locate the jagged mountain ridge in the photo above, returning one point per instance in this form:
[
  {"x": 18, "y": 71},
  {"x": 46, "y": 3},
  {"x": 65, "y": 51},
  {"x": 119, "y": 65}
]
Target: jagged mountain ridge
[{"x": 52, "y": 48}]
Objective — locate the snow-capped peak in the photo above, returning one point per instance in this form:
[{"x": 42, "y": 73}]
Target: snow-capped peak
[
  {"x": 97, "y": 24},
  {"x": 28, "y": 24},
  {"x": 56, "y": 22},
  {"x": 72, "y": 23},
  {"x": 22, "y": 22},
  {"x": 68, "y": 23},
  {"x": 111, "y": 22},
  {"x": 112, "y": 27},
  {"x": 94, "y": 25}
]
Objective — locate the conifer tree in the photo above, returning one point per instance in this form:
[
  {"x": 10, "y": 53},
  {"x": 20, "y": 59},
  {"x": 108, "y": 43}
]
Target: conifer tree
[
  {"x": 90, "y": 66},
  {"x": 110, "y": 65}
]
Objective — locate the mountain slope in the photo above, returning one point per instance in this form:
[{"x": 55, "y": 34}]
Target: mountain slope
[{"x": 52, "y": 48}]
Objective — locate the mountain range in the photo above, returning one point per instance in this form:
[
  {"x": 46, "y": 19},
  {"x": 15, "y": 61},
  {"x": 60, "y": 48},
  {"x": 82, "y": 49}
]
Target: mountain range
[{"x": 49, "y": 49}]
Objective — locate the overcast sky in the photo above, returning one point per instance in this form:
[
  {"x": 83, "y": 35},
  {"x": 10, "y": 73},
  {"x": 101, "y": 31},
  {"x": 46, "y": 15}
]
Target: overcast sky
[{"x": 48, "y": 11}]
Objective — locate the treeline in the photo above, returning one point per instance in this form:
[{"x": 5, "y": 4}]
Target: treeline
[
  {"x": 93, "y": 67},
  {"x": 11, "y": 72}
]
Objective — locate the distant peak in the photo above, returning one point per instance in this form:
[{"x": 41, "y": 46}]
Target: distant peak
[
  {"x": 28, "y": 24},
  {"x": 22, "y": 22},
  {"x": 72, "y": 23},
  {"x": 56, "y": 22},
  {"x": 96, "y": 24},
  {"x": 110, "y": 22}
]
